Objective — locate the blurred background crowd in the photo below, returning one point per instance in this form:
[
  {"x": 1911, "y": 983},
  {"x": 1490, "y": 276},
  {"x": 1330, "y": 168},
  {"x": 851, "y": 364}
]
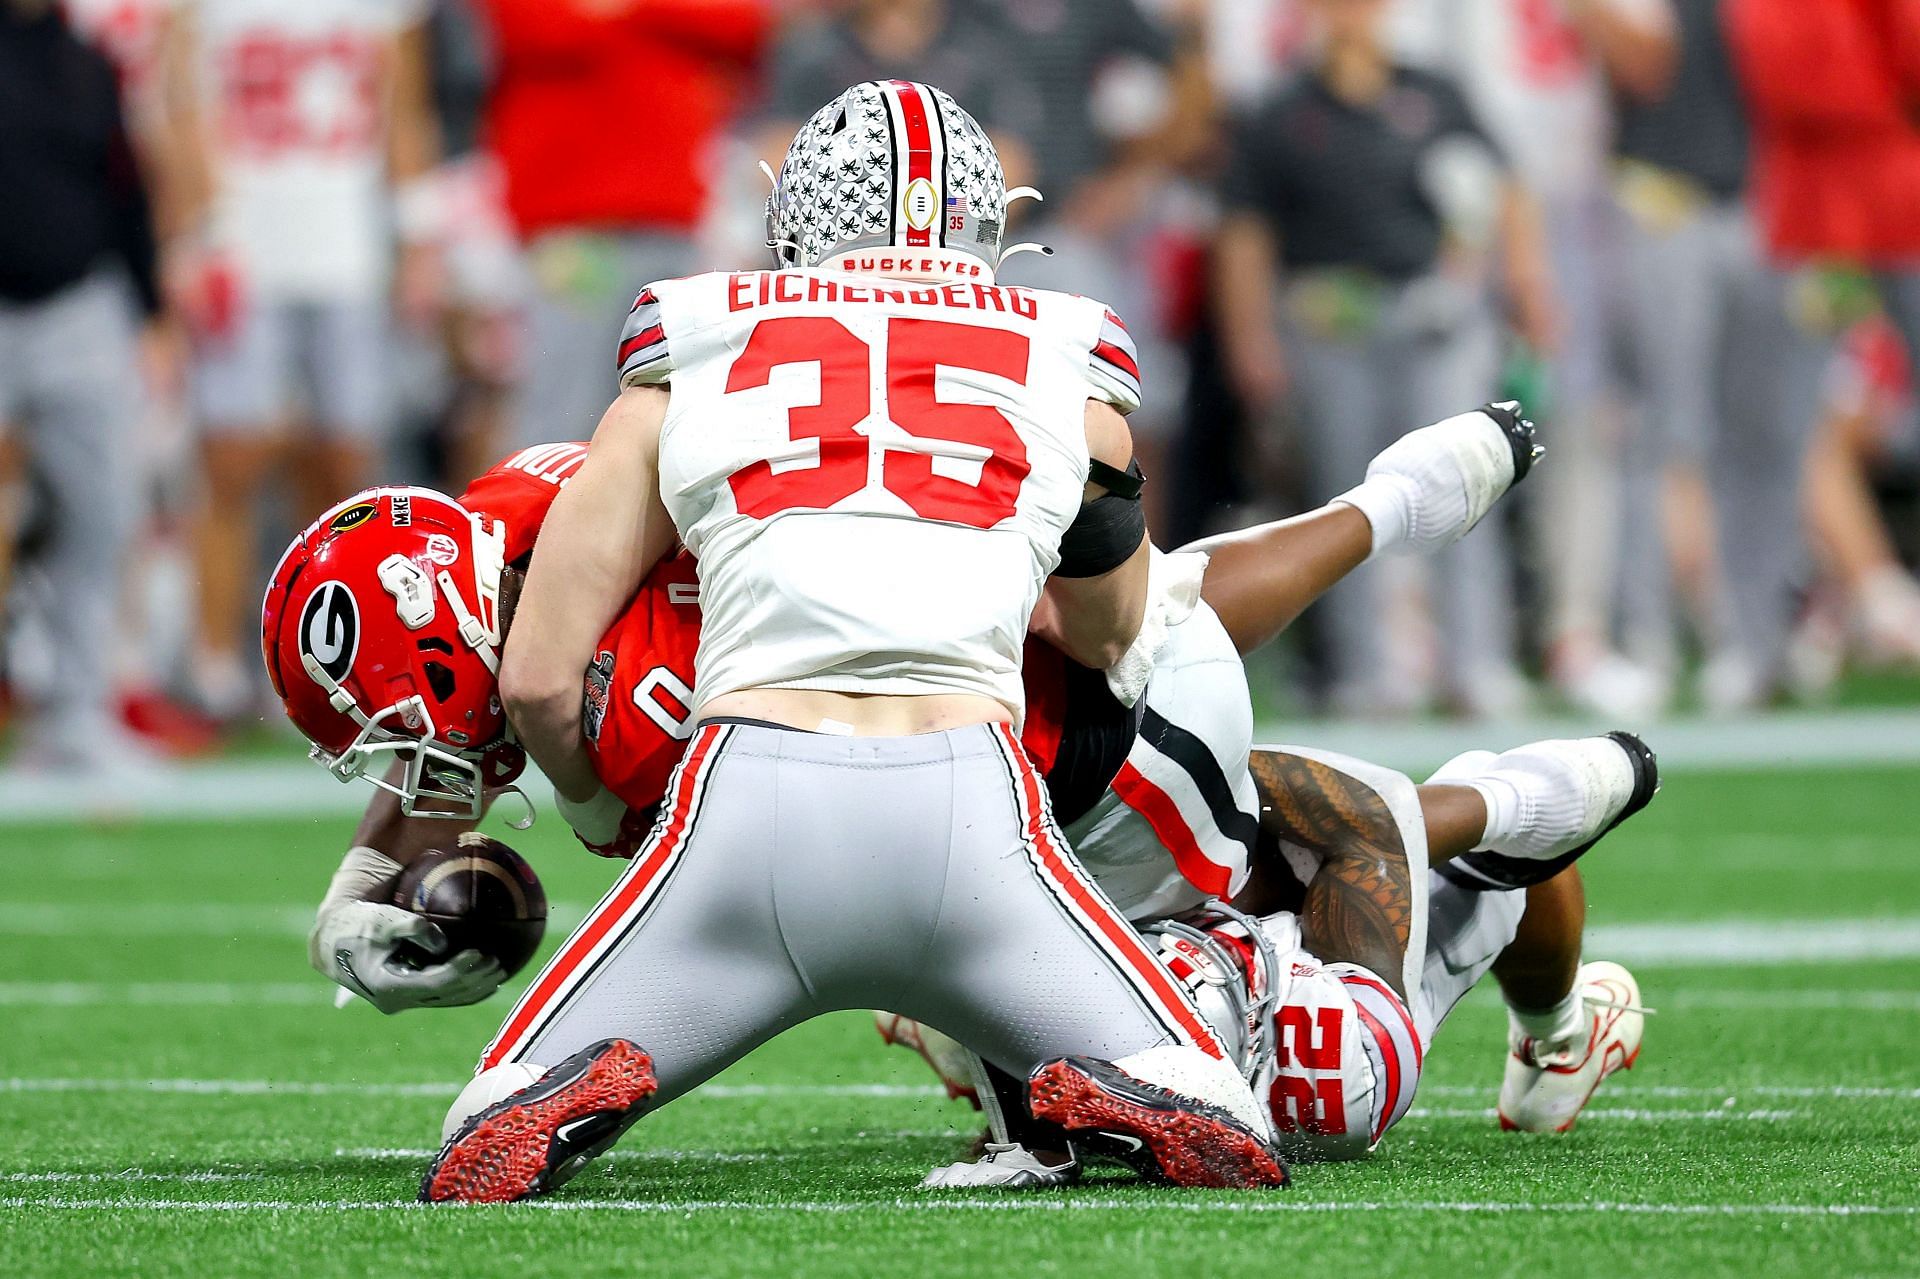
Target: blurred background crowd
[{"x": 255, "y": 254}]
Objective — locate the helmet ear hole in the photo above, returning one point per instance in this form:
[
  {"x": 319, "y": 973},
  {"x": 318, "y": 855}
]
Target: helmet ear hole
[{"x": 440, "y": 680}]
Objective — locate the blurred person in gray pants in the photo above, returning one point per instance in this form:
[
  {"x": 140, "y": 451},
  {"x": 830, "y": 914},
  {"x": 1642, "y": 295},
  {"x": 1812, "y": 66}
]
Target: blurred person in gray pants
[
  {"x": 1728, "y": 358},
  {"x": 75, "y": 228},
  {"x": 1348, "y": 270}
]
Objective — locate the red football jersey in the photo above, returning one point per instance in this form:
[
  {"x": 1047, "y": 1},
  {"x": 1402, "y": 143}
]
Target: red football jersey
[
  {"x": 639, "y": 689},
  {"x": 519, "y": 491}
]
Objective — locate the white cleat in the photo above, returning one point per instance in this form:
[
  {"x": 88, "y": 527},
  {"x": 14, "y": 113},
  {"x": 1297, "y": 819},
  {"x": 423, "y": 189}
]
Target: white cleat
[
  {"x": 1565, "y": 794},
  {"x": 1429, "y": 488},
  {"x": 1006, "y": 1166},
  {"x": 1548, "y": 1085},
  {"x": 948, "y": 1057}
]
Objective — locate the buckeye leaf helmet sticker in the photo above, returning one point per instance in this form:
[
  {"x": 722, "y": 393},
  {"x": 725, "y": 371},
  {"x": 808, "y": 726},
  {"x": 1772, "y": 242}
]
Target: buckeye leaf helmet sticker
[{"x": 330, "y": 629}]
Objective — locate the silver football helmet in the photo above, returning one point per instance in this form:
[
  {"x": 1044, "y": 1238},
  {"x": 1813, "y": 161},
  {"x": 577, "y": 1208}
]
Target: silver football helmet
[
  {"x": 1225, "y": 960},
  {"x": 893, "y": 178}
]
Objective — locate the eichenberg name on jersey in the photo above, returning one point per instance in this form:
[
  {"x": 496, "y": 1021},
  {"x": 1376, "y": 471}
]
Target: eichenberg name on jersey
[{"x": 768, "y": 288}]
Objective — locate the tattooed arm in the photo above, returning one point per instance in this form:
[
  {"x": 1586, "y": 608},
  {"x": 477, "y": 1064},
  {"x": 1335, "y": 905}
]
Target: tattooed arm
[{"x": 1358, "y": 908}]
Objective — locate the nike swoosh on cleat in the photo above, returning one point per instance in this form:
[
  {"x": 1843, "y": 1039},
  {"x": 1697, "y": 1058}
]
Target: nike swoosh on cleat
[{"x": 564, "y": 1132}]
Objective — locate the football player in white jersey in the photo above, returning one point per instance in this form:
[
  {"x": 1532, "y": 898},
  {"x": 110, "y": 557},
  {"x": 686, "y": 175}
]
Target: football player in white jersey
[
  {"x": 315, "y": 112},
  {"x": 881, "y": 460},
  {"x": 1381, "y": 907}
]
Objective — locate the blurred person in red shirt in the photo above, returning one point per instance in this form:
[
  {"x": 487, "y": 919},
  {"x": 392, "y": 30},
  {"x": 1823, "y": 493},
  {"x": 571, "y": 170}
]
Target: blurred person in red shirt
[
  {"x": 1834, "y": 88},
  {"x": 606, "y": 117}
]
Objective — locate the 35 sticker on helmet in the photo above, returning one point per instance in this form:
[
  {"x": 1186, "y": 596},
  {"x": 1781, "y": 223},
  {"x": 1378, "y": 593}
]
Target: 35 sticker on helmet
[{"x": 330, "y": 629}]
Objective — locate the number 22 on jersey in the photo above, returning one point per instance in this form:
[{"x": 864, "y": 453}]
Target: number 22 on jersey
[{"x": 915, "y": 349}]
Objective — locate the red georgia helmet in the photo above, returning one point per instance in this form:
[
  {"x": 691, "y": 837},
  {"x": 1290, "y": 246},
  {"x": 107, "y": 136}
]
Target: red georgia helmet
[{"x": 381, "y": 632}]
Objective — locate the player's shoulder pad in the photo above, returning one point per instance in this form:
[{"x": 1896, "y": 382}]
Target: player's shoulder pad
[
  {"x": 643, "y": 358},
  {"x": 1113, "y": 363}
]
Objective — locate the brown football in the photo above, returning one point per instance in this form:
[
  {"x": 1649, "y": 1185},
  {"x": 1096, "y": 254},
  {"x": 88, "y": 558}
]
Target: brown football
[{"x": 483, "y": 896}]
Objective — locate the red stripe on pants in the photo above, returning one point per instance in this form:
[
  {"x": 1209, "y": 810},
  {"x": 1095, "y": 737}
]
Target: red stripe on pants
[
  {"x": 1118, "y": 932},
  {"x": 632, "y": 892}
]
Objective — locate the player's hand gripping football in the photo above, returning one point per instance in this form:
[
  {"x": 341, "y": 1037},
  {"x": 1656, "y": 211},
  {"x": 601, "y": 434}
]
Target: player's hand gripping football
[{"x": 374, "y": 950}]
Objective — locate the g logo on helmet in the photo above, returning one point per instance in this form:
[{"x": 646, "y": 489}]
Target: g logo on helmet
[
  {"x": 919, "y": 204},
  {"x": 330, "y": 629}
]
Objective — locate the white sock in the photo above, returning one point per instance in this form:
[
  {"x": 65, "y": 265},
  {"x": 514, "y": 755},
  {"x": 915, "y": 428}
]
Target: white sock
[
  {"x": 1387, "y": 502},
  {"x": 1505, "y": 809},
  {"x": 1551, "y": 1025},
  {"x": 1535, "y": 806}
]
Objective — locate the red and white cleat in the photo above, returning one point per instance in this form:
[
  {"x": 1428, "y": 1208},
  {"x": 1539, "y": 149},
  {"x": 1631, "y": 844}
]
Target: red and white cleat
[
  {"x": 949, "y": 1059},
  {"x": 535, "y": 1139},
  {"x": 1548, "y": 1085},
  {"x": 1166, "y": 1136}
]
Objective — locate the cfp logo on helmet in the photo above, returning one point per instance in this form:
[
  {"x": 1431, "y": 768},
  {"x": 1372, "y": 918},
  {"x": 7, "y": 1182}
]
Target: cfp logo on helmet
[
  {"x": 330, "y": 629},
  {"x": 919, "y": 204}
]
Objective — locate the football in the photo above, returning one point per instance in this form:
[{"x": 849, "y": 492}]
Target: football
[{"x": 482, "y": 894}]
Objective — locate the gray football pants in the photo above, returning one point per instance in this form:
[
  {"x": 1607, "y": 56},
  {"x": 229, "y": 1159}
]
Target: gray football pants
[
  {"x": 1728, "y": 381},
  {"x": 1431, "y": 354},
  {"x": 793, "y": 874},
  {"x": 583, "y": 285},
  {"x": 67, "y": 396}
]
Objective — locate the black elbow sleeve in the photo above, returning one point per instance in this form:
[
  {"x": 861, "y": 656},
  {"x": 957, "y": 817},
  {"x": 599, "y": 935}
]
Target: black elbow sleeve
[{"x": 1106, "y": 531}]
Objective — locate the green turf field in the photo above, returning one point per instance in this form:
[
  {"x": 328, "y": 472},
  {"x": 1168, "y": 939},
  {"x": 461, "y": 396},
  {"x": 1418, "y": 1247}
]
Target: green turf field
[{"x": 178, "y": 1095}]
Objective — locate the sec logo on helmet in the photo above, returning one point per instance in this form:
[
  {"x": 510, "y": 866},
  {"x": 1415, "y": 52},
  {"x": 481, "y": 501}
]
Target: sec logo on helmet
[{"x": 330, "y": 629}]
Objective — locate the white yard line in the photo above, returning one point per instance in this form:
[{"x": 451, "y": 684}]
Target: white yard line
[
  {"x": 74, "y": 994},
  {"x": 1788, "y": 739},
  {"x": 272, "y": 1087},
  {"x": 213, "y": 920},
  {"x": 129, "y": 1174},
  {"x": 289, "y": 786},
  {"x": 993, "y": 1204},
  {"x": 1758, "y": 943},
  {"x": 1877, "y": 1001},
  {"x": 1725, "y": 1095},
  {"x": 1606, "y": 1113}
]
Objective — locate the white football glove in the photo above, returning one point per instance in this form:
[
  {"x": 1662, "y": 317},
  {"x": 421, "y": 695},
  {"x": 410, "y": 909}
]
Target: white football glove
[
  {"x": 355, "y": 943},
  {"x": 1427, "y": 489},
  {"x": 1005, "y": 1166}
]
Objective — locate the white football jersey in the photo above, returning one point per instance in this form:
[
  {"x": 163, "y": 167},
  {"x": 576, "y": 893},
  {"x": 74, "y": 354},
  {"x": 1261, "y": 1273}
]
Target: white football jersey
[
  {"x": 297, "y": 116},
  {"x": 1178, "y": 824},
  {"x": 874, "y": 475},
  {"x": 1347, "y": 1056}
]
